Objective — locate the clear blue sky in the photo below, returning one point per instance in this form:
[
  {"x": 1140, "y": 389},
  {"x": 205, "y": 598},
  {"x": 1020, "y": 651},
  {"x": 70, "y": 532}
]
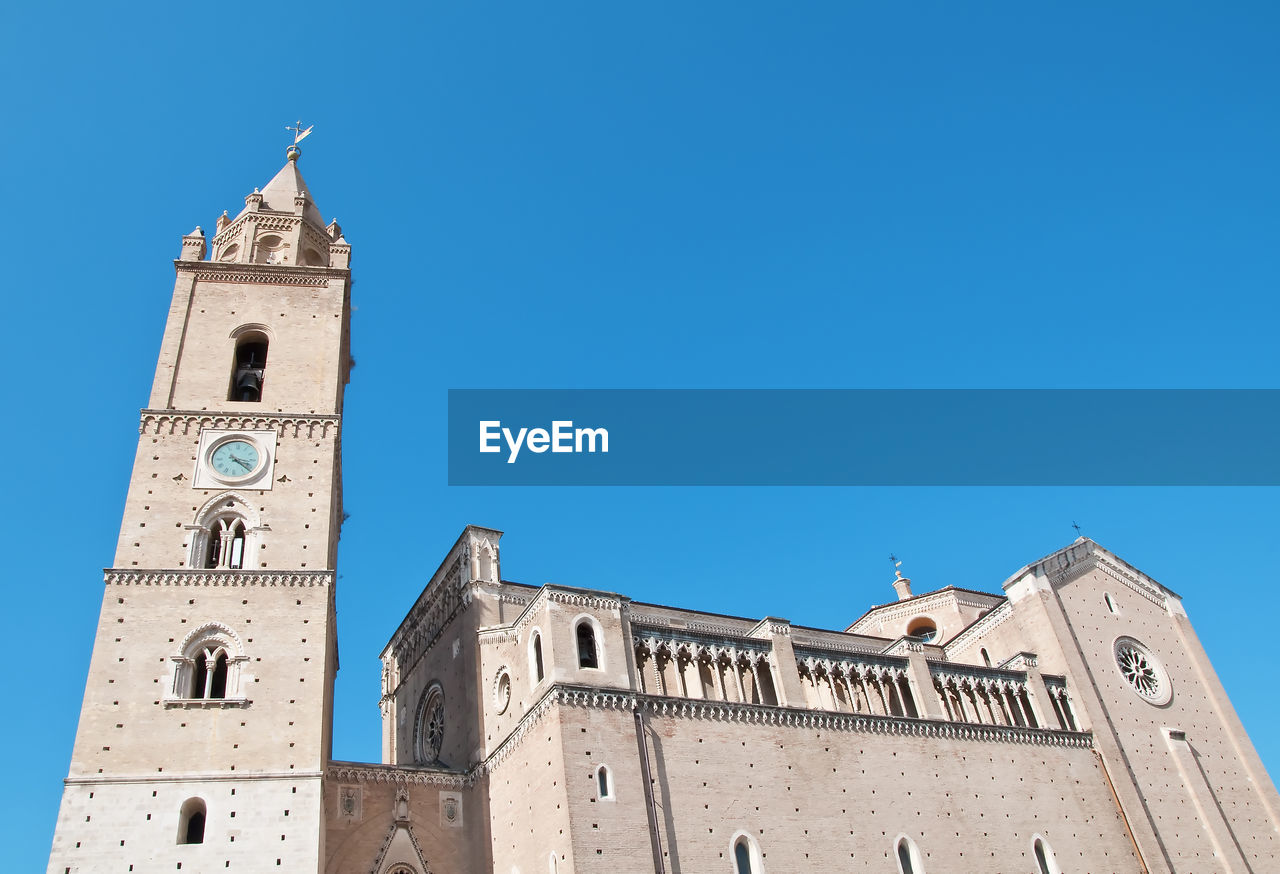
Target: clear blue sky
[{"x": 648, "y": 195}]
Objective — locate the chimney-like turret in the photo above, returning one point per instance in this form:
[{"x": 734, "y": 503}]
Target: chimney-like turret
[{"x": 901, "y": 585}]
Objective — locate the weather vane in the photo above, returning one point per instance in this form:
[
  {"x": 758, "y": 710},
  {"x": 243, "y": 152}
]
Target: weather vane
[
  {"x": 1077, "y": 527},
  {"x": 897, "y": 564},
  {"x": 298, "y": 133},
  {"x": 298, "y": 136}
]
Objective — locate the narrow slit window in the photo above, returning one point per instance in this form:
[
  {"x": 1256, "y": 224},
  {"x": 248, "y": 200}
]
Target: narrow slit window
[
  {"x": 537, "y": 658},
  {"x": 199, "y": 676},
  {"x": 909, "y": 861},
  {"x": 218, "y": 682},
  {"x": 1045, "y": 862},
  {"x": 587, "y": 657},
  {"x": 235, "y": 559},
  {"x": 742, "y": 857}
]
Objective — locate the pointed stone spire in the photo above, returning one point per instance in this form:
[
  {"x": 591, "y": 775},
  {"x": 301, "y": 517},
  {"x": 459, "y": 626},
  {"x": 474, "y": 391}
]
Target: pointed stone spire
[
  {"x": 281, "y": 225},
  {"x": 287, "y": 192}
]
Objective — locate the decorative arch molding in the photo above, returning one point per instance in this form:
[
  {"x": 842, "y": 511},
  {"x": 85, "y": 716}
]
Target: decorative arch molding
[
  {"x": 227, "y": 515},
  {"x": 210, "y": 631},
  {"x": 743, "y": 838},
  {"x": 208, "y": 668},
  {"x": 400, "y": 851},
  {"x": 906, "y": 855},
  {"x": 252, "y": 328},
  {"x": 217, "y": 505}
]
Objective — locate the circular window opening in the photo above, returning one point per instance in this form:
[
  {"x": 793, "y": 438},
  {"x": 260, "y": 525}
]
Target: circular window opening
[
  {"x": 924, "y": 628},
  {"x": 430, "y": 726},
  {"x": 1142, "y": 671},
  {"x": 502, "y": 691}
]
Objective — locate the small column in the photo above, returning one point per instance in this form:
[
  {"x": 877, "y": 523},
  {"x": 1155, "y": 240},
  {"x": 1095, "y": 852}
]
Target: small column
[
  {"x": 1018, "y": 715},
  {"x": 695, "y": 669},
  {"x": 737, "y": 675}
]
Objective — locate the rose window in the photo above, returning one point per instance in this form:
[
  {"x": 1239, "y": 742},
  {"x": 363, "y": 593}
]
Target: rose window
[
  {"x": 1142, "y": 671},
  {"x": 430, "y": 733}
]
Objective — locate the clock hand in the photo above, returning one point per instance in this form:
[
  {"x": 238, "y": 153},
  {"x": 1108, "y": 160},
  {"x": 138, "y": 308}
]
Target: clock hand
[{"x": 240, "y": 461}]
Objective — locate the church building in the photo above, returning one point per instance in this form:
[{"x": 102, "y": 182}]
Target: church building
[{"x": 1068, "y": 721}]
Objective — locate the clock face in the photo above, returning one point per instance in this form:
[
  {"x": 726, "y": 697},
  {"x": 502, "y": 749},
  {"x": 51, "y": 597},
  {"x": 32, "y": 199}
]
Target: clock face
[{"x": 235, "y": 459}]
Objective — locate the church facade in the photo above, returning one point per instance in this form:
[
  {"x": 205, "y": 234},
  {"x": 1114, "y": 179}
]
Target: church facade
[{"x": 1070, "y": 722}]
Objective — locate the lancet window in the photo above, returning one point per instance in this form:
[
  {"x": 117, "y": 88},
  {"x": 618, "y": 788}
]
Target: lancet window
[
  {"x": 746, "y": 855},
  {"x": 908, "y": 855},
  {"x": 535, "y": 657},
  {"x": 1045, "y": 861}
]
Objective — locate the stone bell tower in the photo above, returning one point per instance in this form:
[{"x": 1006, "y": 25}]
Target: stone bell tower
[{"x": 205, "y": 728}]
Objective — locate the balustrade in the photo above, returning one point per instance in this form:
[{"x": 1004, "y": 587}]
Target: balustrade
[
  {"x": 856, "y": 684},
  {"x": 712, "y": 670}
]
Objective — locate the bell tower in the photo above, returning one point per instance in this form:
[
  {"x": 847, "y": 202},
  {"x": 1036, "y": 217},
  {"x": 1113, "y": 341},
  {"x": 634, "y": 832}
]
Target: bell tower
[{"x": 205, "y": 727}]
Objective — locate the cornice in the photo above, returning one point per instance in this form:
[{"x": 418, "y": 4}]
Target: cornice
[
  {"x": 921, "y": 603},
  {"x": 356, "y": 772},
  {"x": 261, "y": 274},
  {"x": 1133, "y": 583},
  {"x": 494, "y": 636},
  {"x": 714, "y": 643},
  {"x": 808, "y": 641},
  {"x": 284, "y": 424},
  {"x": 172, "y": 777},
  {"x": 978, "y": 629},
  {"x": 182, "y": 577},
  {"x": 561, "y": 694},
  {"x": 1072, "y": 562},
  {"x": 590, "y": 600},
  {"x": 724, "y": 711}
]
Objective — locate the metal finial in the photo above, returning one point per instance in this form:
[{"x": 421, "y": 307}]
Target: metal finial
[
  {"x": 299, "y": 134},
  {"x": 897, "y": 565},
  {"x": 1077, "y": 527}
]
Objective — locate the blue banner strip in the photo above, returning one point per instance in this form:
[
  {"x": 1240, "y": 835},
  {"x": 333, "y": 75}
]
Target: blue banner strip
[{"x": 628, "y": 437}]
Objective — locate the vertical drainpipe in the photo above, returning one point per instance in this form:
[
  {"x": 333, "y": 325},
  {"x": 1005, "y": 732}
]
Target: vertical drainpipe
[{"x": 651, "y": 804}]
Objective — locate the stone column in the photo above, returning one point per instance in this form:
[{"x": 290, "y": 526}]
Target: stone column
[{"x": 921, "y": 682}]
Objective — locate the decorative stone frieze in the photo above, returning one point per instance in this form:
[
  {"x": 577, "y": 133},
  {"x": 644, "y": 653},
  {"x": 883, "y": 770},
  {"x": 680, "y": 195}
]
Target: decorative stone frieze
[
  {"x": 128, "y": 577},
  {"x": 355, "y": 772},
  {"x": 194, "y": 421},
  {"x": 266, "y": 274}
]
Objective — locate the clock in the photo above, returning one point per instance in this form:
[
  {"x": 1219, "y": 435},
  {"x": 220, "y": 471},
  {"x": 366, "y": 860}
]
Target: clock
[{"x": 235, "y": 460}]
